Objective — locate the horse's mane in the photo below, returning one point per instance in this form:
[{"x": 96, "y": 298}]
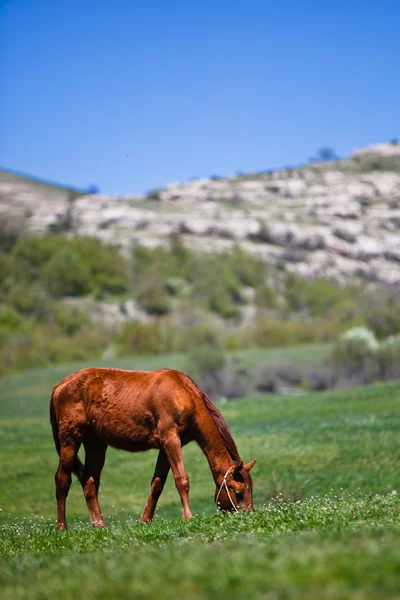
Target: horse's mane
[
  {"x": 222, "y": 427},
  {"x": 226, "y": 436}
]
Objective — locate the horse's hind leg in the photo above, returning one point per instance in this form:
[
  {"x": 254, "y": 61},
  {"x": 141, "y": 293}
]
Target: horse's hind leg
[
  {"x": 157, "y": 485},
  {"x": 90, "y": 479},
  {"x": 68, "y": 454}
]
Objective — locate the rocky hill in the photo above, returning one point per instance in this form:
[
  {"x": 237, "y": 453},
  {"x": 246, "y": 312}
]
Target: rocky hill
[{"x": 336, "y": 219}]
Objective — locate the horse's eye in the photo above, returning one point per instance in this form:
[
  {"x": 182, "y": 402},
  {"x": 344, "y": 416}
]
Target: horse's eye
[{"x": 238, "y": 494}]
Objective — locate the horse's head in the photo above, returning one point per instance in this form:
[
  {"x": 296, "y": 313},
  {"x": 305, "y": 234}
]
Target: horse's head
[{"x": 236, "y": 490}]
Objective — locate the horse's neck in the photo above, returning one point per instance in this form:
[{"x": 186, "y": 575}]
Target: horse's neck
[{"x": 213, "y": 446}]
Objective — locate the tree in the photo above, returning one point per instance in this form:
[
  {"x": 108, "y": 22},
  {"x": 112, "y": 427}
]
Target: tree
[
  {"x": 325, "y": 153},
  {"x": 92, "y": 189}
]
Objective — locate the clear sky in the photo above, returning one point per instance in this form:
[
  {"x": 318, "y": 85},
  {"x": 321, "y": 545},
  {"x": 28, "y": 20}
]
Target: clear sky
[{"x": 130, "y": 95}]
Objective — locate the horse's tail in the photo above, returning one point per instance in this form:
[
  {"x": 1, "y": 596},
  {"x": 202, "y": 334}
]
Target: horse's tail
[
  {"x": 54, "y": 423},
  {"x": 78, "y": 466}
]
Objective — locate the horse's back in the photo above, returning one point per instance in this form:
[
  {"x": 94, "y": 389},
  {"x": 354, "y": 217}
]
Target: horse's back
[{"x": 128, "y": 409}]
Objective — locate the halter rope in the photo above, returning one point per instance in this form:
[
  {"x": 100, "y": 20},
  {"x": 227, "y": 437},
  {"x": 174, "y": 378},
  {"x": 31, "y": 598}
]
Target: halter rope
[{"x": 226, "y": 489}]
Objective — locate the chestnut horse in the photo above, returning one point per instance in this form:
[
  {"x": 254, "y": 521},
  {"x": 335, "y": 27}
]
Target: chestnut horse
[{"x": 136, "y": 411}]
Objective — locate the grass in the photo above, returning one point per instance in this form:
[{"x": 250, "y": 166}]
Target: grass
[
  {"x": 326, "y": 483},
  {"x": 298, "y": 550}
]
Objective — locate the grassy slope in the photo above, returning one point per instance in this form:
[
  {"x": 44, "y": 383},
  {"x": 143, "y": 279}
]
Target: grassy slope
[
  {"x": 34, "y": 183},
  {"x": 312, "y": 446}
]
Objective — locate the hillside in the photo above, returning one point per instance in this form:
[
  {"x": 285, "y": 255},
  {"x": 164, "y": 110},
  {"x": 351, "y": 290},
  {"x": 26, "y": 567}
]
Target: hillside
[{"x": 335, "y": 219}]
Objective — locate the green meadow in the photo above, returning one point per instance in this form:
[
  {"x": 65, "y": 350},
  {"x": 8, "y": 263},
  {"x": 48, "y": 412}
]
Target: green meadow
[{"x": 326, "y": 489}]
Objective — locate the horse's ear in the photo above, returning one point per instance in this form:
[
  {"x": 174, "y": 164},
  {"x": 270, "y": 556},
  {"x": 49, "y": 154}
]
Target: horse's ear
[
  {"x": 239, "y": 466},
  {"x": 250, "y": 465}
]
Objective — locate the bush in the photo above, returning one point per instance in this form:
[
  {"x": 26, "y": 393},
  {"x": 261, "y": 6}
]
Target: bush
[
  {"x": 205, "y": 362},
  {"x": 136, "y": 337},
  {"x": 266, "y": 297},
  {"x": 9, "y": 319},
  {"x": 153, "y": 298},
  {"x": 290, "y": 374},
  {"x": 389, "y": 358},
  {"x": 316, "y": 297},
  {"x": 267, "y": 381},
  {"x": 381, "y": 311},
  {"x": 12, "y": 228},
  {"x": 71, "y": 266},
  {"x": 319, "y": 379},
  {"x": 164, "y": 335},
  {"x": 263, "y": 235},
  {"x": 265, "y": 332},
  {"x": 217, "y": 376},
  {"x": 175, "y": 286},
  {"x": 69, "y": 320},
  {"x": 249, "y": 270},
  {"x": 354, "y": 357},
  {"x": 30, "y": 300},
  {"x": 205, "y": 333},
  {"x": 65, "y": 275},
  {"x": 213, "y": 282},
  {"x": 161, "y": 263},
  {"x": 45, "y": 345}
]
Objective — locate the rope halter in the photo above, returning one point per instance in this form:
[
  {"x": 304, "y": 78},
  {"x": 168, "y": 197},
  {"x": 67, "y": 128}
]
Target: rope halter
[{"x": 224, "y": 484}]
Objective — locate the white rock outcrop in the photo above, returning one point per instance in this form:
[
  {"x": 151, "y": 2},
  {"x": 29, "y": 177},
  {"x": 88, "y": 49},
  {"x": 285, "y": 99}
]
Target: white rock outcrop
[{"x": 339, "y": 219}]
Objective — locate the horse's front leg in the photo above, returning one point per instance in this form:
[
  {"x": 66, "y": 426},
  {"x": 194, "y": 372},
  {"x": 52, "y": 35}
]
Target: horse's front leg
[
  {"x": 173, "y": 450},
  {"x": 157, "y": 486}
]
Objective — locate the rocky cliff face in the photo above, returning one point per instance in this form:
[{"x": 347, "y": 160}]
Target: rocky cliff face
[{"x": 337, "y": 219}]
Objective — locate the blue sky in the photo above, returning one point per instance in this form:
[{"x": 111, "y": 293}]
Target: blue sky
[{"x": 131, "y": 95}]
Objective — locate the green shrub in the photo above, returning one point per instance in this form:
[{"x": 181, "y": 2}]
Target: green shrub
[
  {"x": 388, "y": 356},
  {"x": 266, "y": 297},
  {"x": 380, "y": 309},
  {"x": 71, "y": 266},
  {"x": 36, "y": 346},
  {"x": 205, "y": 366},
  {"x": 11, "y": 273},
  {"x": 34, "y": 251},
  {"x": 29, "y": 300},
  {"x": 216, "y": 375},
  {"x": 65, "y": 275},
  {"x": 69, "y": 320},
  {"x": 202, "y": 334},
  {"x": 12, "y": 228},
  {"x": 9, "y": 318},
  {"x": 161, "y": 263},
  {"x": 248, "y": 270},
  {"x": 163, "y": 335},
  {"x": 84, "y": 343},
  {"x": 316, "y": 297},
  {"x": 217, "y": 290},
  {"x": 153, "y": 298},
  {"x": 263, "y": 235},
  {"x": 219, "y": 300},
  {"x": 265, "y": 332},
  {"x": 211, "y": 281},
  {"x": 358, "y": 358},
  {"x": 355, "y": 345},
  {"x": 205, "y": 361},
  {"x": 136, "y": 337},
  {"x": 354, "y": 357},
  {"x": 175, "y": 285}
]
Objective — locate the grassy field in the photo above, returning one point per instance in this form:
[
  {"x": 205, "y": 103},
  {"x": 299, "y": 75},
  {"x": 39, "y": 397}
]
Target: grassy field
[{"x": 326, "y": 483}]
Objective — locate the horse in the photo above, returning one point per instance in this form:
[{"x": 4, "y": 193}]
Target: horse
[{"x": 138, "y": 411}]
